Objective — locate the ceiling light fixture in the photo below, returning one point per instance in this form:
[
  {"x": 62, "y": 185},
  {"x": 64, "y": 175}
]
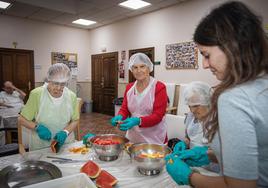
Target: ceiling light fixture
[
  {"x": 134, "y": 4},
  {"x": 4, "y": 5},
  {"x": 84, "y": 22}
]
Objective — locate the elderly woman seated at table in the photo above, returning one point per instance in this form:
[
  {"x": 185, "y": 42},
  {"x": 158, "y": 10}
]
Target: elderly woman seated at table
[
  {"x": 11, "y": 96},
  {"x": 51, "y": 110}
]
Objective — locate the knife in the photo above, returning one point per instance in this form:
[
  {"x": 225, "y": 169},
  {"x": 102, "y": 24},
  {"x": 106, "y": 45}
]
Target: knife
[
  {"x": 68, "y": 161},
  {"x": 60, "y": 158}
]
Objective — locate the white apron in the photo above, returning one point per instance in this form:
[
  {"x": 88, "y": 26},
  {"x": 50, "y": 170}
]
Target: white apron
[
  {"x": 194, "y": 131},
  {"x": 144, "y": 107},
  {"x": 54, "y": 115}
]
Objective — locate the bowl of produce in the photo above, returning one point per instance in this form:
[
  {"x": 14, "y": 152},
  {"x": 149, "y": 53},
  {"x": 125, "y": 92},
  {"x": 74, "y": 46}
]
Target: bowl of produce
[
  {"x": 108, "y": 146},
  {"x": 149, "y": 158}
]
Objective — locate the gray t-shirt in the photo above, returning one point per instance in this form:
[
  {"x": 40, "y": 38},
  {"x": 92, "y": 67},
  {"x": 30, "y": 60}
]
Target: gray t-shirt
[{"x": 243, "y": 126}]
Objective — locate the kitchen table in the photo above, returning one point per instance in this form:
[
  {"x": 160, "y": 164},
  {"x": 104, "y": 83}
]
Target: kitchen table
[{"x": 122, "y": 168}]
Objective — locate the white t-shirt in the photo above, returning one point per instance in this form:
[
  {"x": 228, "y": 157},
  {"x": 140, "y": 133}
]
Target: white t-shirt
[{"x": 11, "y": 99}]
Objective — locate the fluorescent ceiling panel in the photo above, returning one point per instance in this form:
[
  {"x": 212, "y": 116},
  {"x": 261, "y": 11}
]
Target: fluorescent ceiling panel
[
  {"x": 84, "y": 22},
  {"x": 4, "y": 5},
  {"x": 134, "y": 4}
]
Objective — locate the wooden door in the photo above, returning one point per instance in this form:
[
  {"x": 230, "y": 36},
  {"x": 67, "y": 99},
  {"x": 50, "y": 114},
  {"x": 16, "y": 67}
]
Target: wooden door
[
  {"x": 104, "y": 82},
  {"x": 17, "y": 66},
  {"x": 149, "y": 52}
]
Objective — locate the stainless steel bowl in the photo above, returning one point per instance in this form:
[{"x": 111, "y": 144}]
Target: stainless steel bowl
[
  {"x": 108, "y": 152},
  {"x": 141, "y": 155}
]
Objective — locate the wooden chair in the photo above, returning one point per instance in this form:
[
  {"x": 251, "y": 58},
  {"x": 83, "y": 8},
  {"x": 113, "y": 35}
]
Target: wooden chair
[
  {"x": 174, "y": 98},
  {"x": 20, "y": 127},
  {"x": 77, "y": 131},
  {"x": 8, "y": 148}
]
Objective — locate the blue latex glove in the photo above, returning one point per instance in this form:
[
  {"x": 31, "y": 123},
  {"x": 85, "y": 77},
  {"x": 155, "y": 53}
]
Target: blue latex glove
[
  {"x": 178, "y": 170},
  {"x": 86, "y": 137},
  {"x": 180, "y": 146},
  {"x": 129, "y": 123},
  {"x": 60, "y": 137},
  {"x": 43, "y": 132},
  {"x": 115, "y": 119},
  {"x": 197, "y": 156}
]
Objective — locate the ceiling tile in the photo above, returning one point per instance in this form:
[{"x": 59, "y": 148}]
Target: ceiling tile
[
  {"x": 65, "y": 19},
  {"x": 21, "y": 10},
  {"x": 45, "y": 15}
]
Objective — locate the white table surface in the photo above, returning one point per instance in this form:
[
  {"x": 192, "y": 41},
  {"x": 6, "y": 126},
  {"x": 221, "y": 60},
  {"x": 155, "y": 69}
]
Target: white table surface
[{"x": 122, "y": 168}]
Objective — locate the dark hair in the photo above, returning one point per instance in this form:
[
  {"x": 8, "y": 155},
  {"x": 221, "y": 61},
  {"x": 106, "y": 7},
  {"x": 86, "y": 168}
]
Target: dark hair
[{"x": 238, "y": 32}]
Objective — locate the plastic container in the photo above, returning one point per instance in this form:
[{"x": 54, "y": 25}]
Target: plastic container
[
  {"x": 77, "y": 180},
  {"x": 117, "y": 104},
  {"x": 116, "y": 109},
  {"x": 87, "y": 106}
]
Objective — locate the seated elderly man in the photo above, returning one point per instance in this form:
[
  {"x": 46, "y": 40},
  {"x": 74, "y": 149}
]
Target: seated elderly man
[{"x": 11, "y": 96}]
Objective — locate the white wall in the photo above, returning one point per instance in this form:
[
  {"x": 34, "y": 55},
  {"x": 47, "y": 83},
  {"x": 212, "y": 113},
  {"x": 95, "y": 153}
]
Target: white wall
[
  {"x": 45, "y": 38},
  {"x": 157, "y": 29}
]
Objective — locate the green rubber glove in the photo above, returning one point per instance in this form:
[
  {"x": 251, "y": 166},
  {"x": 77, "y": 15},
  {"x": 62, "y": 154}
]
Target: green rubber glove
[
  {"x": 179, "y": 147},
  {"x": 197, "y": 156},
  {"x": 86, "y": 137},
  {"x": 60, "y": 137},
  {"x": 129, "y": 123},
  {"x": 115, "y": 119},
  {"x": 178, "y": 170},
  {"x": 43, "y": 132}
]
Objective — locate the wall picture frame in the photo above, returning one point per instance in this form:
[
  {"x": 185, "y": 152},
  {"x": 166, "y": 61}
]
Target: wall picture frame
[
  {"x": 182, "y": 55},
  {"x": 70, "y": 59}
]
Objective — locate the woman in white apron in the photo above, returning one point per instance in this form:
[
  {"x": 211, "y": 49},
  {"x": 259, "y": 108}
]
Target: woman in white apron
[
  {"x": 197, "y": 95},
  {"x": 142, "y": 113},
  {"x": 51, "y": 111}
]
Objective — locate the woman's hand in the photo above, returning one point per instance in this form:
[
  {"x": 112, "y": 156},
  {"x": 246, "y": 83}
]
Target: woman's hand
[
  {"x": 60, "y": 137},
  {"x": 197, "y": 156},
  {"x": 86, "y": 137},
  {"x": 179, "y": 147},
  {"x": 178, "y": 170},
  {"x": 115, "y": 119},
  {"x": 43, "y": 132},
  {"x": 129, "y": 123}
]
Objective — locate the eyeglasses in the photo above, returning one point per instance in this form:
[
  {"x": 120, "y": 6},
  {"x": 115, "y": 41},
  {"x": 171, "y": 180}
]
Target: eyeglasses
[{"x": 61, "y": 84}]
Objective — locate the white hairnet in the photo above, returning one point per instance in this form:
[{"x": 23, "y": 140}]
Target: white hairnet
[
  {"x": 58, "y": 72},
  {"x": 197, "y": 93},
  {"x": 140, "y": 58}
]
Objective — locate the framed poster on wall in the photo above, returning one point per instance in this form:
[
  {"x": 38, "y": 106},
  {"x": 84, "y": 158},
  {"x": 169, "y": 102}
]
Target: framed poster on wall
[
  {"x": 70, "y": 59},
  {"x": 182, "y": 56}
]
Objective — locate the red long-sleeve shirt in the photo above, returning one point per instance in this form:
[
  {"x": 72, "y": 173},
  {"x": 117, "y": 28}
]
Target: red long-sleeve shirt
[{"x": 159, "y": 107}]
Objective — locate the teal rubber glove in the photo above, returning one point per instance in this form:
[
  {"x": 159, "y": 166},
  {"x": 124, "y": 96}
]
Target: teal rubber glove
[
  {"x": 197, "y": 156},
  {"x": 43, "y": 132},
  {"x": 115, "y": 119},
  {"x": 178, "y": 170},
  {"x": 60, "y": 137},
  {"x": 179, "y": 147},
  {"x": 86, "y": 137},
  {"x": 129, "y": 123}
]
